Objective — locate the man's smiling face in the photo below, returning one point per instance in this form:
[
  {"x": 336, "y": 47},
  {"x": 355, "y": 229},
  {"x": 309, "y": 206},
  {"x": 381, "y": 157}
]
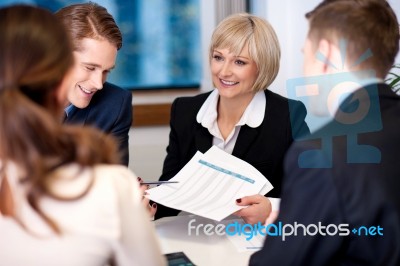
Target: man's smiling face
[{"x": 94, "y": 61}]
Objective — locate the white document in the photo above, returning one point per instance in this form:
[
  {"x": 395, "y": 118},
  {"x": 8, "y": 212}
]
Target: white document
[
  {"x": 209, "y": 185},
  {"x": 244, "y": 242}
]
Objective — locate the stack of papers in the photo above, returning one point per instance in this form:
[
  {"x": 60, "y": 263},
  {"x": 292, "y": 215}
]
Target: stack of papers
[
  {"x": 242, "y": 242},
  {"x": 209, "y": 185}
]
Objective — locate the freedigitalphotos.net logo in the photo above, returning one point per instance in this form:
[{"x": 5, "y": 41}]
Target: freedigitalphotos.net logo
[{"x": 280, "y": 230}]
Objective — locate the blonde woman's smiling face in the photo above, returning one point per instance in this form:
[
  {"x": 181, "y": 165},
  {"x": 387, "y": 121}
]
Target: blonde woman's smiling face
[{"x": 233, "y": 75}]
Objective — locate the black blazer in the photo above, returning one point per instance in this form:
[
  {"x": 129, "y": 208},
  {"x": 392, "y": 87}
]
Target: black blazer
[
  {"x": 350, "y": 191},
  {"x": 263, "y": 147},
  {"x": 110, "y": 110}
]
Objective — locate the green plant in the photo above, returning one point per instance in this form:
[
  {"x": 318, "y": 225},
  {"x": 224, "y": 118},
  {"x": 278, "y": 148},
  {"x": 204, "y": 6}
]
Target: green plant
[{"x": 393, "y": 78}]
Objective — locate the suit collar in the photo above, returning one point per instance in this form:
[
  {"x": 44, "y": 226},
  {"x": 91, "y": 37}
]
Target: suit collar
[
  {"x": 247, "y": 136},
  {"x": 369, "y": 93},
  {"x": 202, "y": 138},
  {"x": 77, "y": 116},
  {"x": 350, "y": 88}
]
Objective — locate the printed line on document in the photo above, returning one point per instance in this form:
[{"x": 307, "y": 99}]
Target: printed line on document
[{"x": 225, "y": 171}]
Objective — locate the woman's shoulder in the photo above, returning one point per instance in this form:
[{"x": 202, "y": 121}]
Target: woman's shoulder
[
  {"x": 185, "y": 109},
  {"x": 191, "y": 101},
  {"x": 73, "y": 179},
  {"x": 119, "y": 176},
  {"x": 113, "y": 170},
  {"x": 108, "y": 186}
]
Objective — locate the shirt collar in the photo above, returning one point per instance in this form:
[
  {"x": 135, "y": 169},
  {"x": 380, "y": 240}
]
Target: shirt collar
[
  {"x": 354, "y": 86},
  {"x": 252, "y": 116},
  {"x": 255, "y": 111},
  {"x": 68, "y": 109},
  {"x": 208, "y": 111}
]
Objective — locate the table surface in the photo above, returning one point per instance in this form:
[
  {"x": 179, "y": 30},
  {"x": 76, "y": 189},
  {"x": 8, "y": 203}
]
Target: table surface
[{"x": 201, "y": 249}]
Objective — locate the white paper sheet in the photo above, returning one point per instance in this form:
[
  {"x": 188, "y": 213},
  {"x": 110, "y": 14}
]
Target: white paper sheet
[
  {"x": 209, "y": 185},
  {"x": 244, "y": 242}
]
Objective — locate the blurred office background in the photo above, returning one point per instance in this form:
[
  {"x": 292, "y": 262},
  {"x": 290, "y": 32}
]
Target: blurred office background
[{"x": 165, "y": 55}]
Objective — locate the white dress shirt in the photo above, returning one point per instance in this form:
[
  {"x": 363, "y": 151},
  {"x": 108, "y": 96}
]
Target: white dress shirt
[{"x": 252, "y": 116}]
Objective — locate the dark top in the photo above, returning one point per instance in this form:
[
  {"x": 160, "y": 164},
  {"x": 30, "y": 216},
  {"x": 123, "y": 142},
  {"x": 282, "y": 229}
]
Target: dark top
[
  {"x": 263, "y": 147},
  {"x": 110, "y": 110},
  {"x": 344, "y": 177}
]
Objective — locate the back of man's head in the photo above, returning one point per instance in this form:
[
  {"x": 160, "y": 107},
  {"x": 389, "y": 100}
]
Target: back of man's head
[{"x": 364, "y": 25}]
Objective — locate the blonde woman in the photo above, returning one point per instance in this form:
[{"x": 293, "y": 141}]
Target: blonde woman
[{"x": 240, "y": 116}]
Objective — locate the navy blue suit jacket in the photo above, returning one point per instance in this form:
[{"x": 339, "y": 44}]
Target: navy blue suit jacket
[
  {"x": 110, "y": 110},
  {"x": 263, "y": 147},
  {"x": 358, "y": 189}
]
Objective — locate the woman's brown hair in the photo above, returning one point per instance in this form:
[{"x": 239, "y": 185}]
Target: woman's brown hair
[{"x": 35, "y": 55}]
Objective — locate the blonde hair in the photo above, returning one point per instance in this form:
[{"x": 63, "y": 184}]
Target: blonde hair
[{"x": 237, "y": 30}]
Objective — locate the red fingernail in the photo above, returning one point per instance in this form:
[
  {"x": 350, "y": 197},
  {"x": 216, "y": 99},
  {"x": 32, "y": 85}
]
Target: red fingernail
[
  {"x": 154, "y": 205},
  {"x": 139, "y": 179},
  {"x": 239, "y": 200}
]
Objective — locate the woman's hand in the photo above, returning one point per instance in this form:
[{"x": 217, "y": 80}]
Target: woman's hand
[
  {"x": 257, "y": 210},
  {"x": 152, "y": 209}
]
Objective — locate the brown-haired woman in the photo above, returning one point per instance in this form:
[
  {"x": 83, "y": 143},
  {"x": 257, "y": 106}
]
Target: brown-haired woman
[{"x": 61, "y": 201}]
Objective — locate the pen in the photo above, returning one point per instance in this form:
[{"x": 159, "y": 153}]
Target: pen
[{"x": 159, "y": 182}]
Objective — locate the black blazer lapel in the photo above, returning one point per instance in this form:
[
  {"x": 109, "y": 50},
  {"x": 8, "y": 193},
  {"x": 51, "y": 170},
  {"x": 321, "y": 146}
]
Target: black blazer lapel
[
  {"x": 78, "y": 116},
  {"x": 246, "y": 137},
  {"x": 202, "y": 138}
]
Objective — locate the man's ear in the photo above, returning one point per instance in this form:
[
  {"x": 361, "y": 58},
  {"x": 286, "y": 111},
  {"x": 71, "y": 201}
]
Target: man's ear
[
  {"x": 324, "y": 55},
  {"x": 331, "y": 56}
]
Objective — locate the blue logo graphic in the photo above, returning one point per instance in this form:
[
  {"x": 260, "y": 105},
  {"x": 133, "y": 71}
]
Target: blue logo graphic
[
  {"x": 368, "y": 231},
  {"x": 337, "y": 110},
  {"x": 279, "y": 229}
]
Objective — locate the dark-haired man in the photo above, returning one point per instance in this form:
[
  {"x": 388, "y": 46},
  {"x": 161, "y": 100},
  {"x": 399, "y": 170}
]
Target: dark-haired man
[{"x": 340, "y": 199}]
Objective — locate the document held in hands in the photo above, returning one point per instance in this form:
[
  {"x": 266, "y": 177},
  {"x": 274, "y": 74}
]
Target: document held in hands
[{"x": 209, "y": 184}]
